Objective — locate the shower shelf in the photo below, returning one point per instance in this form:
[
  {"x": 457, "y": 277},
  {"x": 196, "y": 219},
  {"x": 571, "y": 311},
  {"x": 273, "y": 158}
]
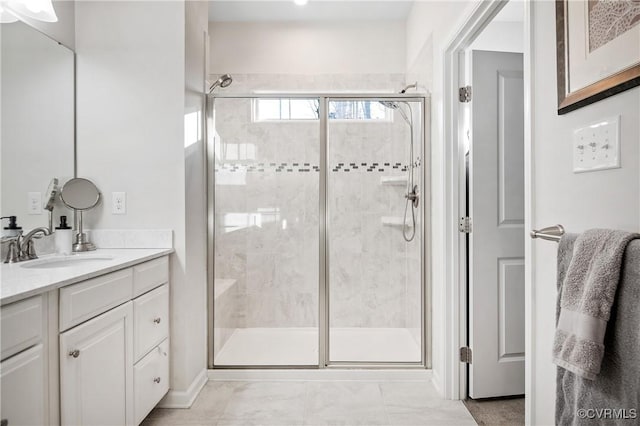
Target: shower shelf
[
  {"x": 393, "y": 180},
  {"x": 392, "y": 221}
]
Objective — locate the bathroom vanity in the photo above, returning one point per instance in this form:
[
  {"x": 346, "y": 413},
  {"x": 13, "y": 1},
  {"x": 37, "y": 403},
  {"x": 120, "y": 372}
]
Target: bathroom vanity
[{"x": 85, "y": 338}]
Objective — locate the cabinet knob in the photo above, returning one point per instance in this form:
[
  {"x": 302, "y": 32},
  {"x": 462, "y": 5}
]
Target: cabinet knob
[
  {"x": 74, "y": 353},
  {"x": 157, "y": 380},
  {"x": 157, "y": 320}
]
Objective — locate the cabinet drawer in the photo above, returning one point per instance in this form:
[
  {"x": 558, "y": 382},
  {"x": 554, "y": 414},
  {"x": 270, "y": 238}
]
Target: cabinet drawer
[
  {"x": 150, "y": 275},
  {"x": 83, "y": 301},
  {"x": 21, "y": 325},
  {"x": 151, "y": 380},
  {"x": 151, "y": 320}
]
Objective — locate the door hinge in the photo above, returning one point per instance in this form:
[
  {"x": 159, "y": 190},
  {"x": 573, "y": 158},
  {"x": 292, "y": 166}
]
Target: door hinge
[
  {"x": 464, "y": 94},
  {"x": 465, "y": 355},
  {"x": 464, "y": 225}
]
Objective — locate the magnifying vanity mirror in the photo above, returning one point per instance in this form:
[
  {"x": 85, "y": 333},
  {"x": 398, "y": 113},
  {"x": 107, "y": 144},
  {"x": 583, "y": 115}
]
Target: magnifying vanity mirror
[
  {"x": 37, "y": 132},
  {"x": 50, "y": 200},
  {"x": 80, "y": 194}
]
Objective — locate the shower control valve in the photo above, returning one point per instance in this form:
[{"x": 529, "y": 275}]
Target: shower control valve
[{"x": 413, "y": 196}]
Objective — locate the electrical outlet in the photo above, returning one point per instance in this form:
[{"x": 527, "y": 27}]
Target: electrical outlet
[
  {"x": 597, "y": 146},
  {"x": 34, "y": 203},
  {"x": 119, "y": 202}
]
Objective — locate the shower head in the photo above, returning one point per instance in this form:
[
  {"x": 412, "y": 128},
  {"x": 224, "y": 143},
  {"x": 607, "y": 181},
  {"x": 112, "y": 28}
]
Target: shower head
[
  {"x": 410, "y": 86},
  {"x": 223, "y": 81},
  {"x": 396, "y": 105}
]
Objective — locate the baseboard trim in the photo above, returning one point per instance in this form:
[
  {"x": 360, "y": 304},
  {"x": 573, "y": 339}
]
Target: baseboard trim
[
  {"x": 324, "y": 374},
  {"x": 184, "y": 399}
]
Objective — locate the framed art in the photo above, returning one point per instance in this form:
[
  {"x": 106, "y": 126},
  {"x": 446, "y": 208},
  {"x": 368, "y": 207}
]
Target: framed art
[{"x": 598, "y": 50}]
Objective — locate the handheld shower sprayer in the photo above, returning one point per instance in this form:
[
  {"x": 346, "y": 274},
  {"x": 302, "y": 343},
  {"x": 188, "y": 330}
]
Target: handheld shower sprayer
[{"x": 412, "y": 196}]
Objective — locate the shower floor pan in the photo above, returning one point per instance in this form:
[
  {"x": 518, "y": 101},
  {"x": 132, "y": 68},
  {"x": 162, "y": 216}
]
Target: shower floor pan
[{"x": 299, "y": 346}]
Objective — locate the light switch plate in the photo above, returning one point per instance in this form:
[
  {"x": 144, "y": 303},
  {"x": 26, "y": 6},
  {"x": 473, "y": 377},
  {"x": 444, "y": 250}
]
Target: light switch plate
[
  {"x": 119, "y": 202},
  {"x": 34, "y": 203},
  {"x": 597, "y": 146}
]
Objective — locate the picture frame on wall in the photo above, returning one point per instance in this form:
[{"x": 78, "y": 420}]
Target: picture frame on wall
[{"x": 598, "y": 50}]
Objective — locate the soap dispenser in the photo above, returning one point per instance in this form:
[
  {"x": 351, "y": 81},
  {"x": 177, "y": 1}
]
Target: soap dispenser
[
  {"x": 13, "y": 230},
  {"x": 63, "y": 237}
]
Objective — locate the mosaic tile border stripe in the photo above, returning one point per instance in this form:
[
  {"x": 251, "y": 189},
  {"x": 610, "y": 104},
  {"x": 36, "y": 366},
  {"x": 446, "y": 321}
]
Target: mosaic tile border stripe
[{"x": 308, "y": 167}]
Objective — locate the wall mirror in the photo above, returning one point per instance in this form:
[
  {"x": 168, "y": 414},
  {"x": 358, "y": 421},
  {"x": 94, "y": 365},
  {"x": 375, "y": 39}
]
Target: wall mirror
[{"x": 37, "y": 131}]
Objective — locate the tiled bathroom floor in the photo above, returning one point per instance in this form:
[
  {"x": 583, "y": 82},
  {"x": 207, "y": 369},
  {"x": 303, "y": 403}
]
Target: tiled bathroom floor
[{"x": 316, "y": 403}]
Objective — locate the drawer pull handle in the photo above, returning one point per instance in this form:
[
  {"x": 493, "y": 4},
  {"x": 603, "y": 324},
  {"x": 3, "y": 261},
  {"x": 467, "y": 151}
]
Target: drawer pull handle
[
  {"x": 74, "y": 353},
  {"x": 157, "y": 320},
  {"x": 156, "y": 380}
]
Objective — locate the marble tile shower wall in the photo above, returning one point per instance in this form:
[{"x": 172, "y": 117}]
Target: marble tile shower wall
[
  {"x": 267, "y": 219},
  {"x": 267, "y": 214},
  {"x": 320, "y": 83},
  {"x": 369, "y": 262}
]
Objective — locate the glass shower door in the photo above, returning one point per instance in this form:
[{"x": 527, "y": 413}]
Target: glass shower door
[
  {"x": 376, "y": 289},
  {"x": 266, "y": 227}
]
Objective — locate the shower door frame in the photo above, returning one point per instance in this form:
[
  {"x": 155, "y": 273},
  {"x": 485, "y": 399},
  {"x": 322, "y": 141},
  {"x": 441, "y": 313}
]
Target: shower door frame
[{"x": 323, "y": 228}]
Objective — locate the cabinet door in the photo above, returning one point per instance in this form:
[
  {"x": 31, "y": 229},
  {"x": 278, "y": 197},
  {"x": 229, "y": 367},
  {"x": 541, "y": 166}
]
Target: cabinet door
[
  {"x": 96, "y": 370},
  {"x": 23, "y": 388}
]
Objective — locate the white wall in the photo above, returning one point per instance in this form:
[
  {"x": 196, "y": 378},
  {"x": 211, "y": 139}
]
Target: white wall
[
  {"x": 501, "y": 37},
  {"x": 130, "y": 130},
  {"x": 308, "y": 47},
  {"x": 193, "y": 311},
  {"x": 429, "y": 28},
  {"x": 609, "y": 199}
]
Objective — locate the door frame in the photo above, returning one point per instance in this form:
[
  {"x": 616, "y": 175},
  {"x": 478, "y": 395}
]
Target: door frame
[
  {"x": 455, "y": 381},
  {"x": 323, "y": 261}
]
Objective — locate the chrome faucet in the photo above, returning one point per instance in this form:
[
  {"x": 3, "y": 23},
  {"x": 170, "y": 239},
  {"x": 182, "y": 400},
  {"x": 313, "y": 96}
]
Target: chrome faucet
[
  {"x": 21, "y": 247},
  {"x": 27, "y": 250}
]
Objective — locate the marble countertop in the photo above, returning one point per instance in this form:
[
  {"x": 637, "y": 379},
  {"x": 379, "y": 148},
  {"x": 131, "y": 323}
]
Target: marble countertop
[{"x": 19, "y": 281}]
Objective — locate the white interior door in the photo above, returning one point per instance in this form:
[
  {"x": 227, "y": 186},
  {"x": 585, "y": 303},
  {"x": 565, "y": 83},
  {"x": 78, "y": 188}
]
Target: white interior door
[{"x": 496, "y": 253}]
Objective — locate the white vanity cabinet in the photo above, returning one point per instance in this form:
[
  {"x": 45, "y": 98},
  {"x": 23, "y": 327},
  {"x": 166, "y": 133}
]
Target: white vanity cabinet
[
  {"x": 114, "y": 351},
  {"x": 23, "y": 369}
]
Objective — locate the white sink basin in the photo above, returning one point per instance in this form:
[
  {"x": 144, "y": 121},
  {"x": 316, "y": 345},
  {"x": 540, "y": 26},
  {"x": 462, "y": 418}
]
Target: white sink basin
[{"x": 64, "y": 261}]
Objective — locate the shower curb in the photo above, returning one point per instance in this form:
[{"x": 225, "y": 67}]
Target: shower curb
[{"x": 333, "y": 374}]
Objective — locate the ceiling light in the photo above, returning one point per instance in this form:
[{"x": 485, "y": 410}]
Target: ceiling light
[
  {"x": 300, "y": 2},
  {"x": 40, "y": 10}
]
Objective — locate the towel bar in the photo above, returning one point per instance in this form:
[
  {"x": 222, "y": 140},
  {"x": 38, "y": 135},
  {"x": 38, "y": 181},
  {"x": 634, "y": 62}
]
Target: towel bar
[{"x": 550, "y": 233}]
